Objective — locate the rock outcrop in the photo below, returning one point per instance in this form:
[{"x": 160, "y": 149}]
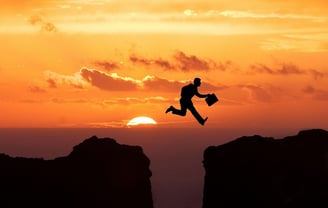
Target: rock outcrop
[
  {"x": 97, "y": 173},
  {"x": 263, "y": 172}
]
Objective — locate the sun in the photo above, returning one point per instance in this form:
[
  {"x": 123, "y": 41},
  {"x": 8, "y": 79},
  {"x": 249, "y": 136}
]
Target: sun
[{"x": 141, "y": 120}]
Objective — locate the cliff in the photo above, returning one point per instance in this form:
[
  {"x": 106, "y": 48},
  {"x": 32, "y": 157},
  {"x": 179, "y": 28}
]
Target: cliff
[
  {"x": 97, "y": 173},
  {"x": 262, "y": 172}
]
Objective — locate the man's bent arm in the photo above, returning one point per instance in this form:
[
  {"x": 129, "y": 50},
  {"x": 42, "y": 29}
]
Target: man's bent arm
[{"x": 201, "y": 95}]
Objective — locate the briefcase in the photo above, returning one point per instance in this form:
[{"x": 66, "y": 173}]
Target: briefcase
[{"x": 211, "y": 99}]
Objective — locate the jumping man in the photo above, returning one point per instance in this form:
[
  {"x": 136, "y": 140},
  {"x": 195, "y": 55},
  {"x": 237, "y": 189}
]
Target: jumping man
[{"x": 187, "y": 92}]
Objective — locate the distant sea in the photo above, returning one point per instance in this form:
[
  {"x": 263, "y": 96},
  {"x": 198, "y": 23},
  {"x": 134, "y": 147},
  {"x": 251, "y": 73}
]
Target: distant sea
[{"x": 176, "y": 154}]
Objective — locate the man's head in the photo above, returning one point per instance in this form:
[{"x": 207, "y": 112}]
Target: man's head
[{"x": 197, "y": 82}]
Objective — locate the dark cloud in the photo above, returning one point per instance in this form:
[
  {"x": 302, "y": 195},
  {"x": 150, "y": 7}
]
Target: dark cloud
[
  {"x": 286, "y": 69},
  {"x": 282, "y": 69},
  {"x": 309, "y": 89},
  {"x": 317, "y": 74},
  {"x": 107, "y": 65},
  {"x": 222, "y": 66},
  {"x": 181, "y": 61},
  {"x": 52, "y": 83},
  {"x": 164, "y": 64},
  {"x": 37, "y": 20},
  {"x": 191, "y": 62},
  {"x": 317, "y": 94},
  {"x": 139, "y": 60},
  {"x": 106, "y": 81},
  {"x": 36, "y": 89}
]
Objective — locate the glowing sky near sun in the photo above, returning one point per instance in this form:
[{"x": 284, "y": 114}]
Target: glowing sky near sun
[{"x": 69, "y": 63}]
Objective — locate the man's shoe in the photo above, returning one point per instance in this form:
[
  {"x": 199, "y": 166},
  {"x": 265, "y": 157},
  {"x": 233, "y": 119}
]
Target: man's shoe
[
  {"x": 203, "y": 122},
  {"x": 169, "y": 109}
]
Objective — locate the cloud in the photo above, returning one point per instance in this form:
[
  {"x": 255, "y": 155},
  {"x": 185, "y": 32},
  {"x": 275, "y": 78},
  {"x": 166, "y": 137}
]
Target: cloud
[
  {"x": 322, "y": 96},
  {"x": 317, "y": 74},
  {"x": 317, "y": 94},
  {"x": 135, "y": 100},
  {"x": 70, "y": 100},
  {"x": 107, "y": 65},
  {"x": 49, "y": 27},
  {"x": 191, "y": 62},
  {"x": 257, "y": 93},
  {"x": 54, "y": 79},
  {"x": 36, "y": 89},
  {"x": 52, "y": 83},
  {"x": 286, "y": 69},
  {"x": 181, "y": 61},
  {"x": 159, "y": 84},
  {"x": 308, "y": 89},
  {"x": 107, "y": 81},
  {"x": 114, "y": 82},
  {"x": 164, "y": 64},
  {"x": 139, "y": 60},
  {"x": 282, "y": 69},
  {"x": 37, "y": 20}
]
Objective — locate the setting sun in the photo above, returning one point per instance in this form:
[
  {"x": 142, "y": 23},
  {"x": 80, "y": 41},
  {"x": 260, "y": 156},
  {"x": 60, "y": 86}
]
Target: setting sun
[{"x": 141, "y": 120}]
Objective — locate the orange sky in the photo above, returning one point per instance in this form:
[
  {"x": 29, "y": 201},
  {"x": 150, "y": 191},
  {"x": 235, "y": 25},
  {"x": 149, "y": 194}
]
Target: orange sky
[{"x": 70, "y": 63}]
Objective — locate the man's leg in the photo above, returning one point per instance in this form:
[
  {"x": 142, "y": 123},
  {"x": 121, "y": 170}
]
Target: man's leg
[
  {"x": 182, "y": 111},
  {"x": 196, "y": 114}
]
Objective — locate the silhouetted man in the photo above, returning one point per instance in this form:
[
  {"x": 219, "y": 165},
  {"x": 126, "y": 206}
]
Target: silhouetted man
[{"x": 187, "y": 92}]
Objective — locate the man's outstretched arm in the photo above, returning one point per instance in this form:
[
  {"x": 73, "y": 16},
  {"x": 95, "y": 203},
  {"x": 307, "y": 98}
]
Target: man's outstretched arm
[{"x": 201, "y": 95}]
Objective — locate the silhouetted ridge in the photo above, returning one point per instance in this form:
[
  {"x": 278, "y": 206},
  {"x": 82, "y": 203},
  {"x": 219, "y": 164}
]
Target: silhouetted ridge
[
  {"x": 263, "y": 172},
  {"x": 97, "y": 173},
  {"x": 313, "y": 132}
]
